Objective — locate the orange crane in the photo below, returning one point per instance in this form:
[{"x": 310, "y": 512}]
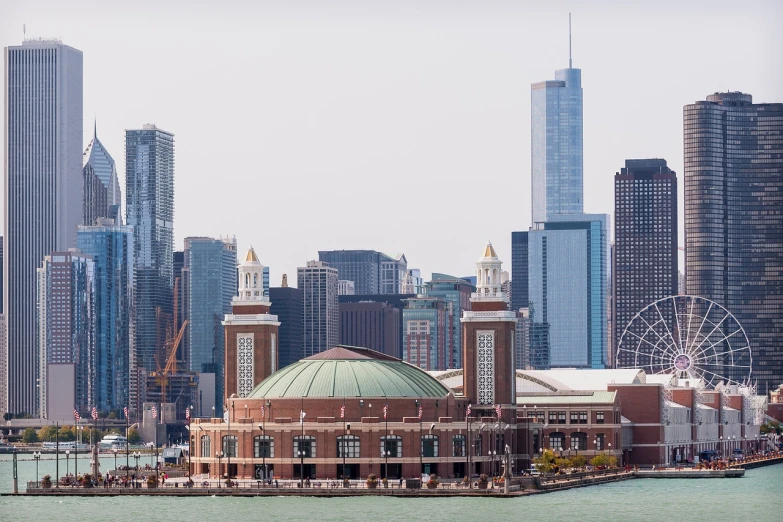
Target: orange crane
[{"x": 171, "y": 363}]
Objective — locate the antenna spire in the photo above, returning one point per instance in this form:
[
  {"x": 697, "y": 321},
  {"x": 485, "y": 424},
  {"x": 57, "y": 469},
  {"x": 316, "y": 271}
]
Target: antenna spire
[{"x": 569, "y": 41}]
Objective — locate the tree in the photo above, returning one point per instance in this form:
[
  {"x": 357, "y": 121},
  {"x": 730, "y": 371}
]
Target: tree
[
  {"x": 546, "y": 462},
  {"x": 578, "y": 461},
  {"x": 112, "y": 415},
  {"x": 47, "y": 433},
  {"x": 7, "y": 416},
  {"x": 133, "y": 436},
  {"x": 602, "y": 459},
  {"x": 29, "y": 436},
  {"x": 772, "y": 426},
  {"x": 66, "y": 434}
]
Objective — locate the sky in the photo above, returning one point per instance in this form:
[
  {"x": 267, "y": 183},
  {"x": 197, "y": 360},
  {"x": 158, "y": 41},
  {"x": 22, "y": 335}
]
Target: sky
[{"x": 399, "y": 126}]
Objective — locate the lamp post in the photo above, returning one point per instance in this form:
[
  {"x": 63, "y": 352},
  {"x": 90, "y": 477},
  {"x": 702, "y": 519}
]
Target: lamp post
[
  {"x": 721, "y": 446},
  {"x": 67, "y": 462},
  {"x": 219, "y": 455},
  {"x": 301, "y": 455},
  {"x": 115, "y": 459},
  {"x": 262, "y": 448},
  {"x": 37, "y": 457},
  {"x": 346, "y": 432},
  {"x": 421, "y": 454},
  {"x": 228, "y": 467},
  {"x": 191, "y": 442}
]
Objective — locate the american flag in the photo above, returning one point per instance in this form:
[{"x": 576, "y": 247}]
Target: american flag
[
  {"x": 467, "y": 412},
  {"x": 498, "y": 410},
  {"x": 94, "y": 414},
  {"x": 154, "y": 412},
  {"x": 385, "y": 410},
  {"x": 76, "y": 415},
  {"x": 126, "y": 412},
  {"x": 301, "y": 417},
  {"x": 187, "y": 413},
  {"x": 262, "y": 411},
  {"x": 421, "y": 410},
  {"x": 342, "y": 411}
]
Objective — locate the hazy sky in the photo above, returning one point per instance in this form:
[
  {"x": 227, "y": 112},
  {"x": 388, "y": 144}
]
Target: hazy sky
[{"x": 399, "y": 126}]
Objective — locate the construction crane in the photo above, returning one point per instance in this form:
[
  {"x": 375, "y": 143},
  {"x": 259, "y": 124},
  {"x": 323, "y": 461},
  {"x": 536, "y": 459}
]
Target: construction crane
[{"x": 171, "y": 363}]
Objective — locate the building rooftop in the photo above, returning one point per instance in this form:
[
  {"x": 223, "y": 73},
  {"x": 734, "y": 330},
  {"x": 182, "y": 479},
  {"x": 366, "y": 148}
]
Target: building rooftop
[
  {"x": 349, "y": 371},
  {"x": 598, "y": 397}
]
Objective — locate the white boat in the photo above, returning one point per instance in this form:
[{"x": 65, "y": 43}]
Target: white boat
[{"x": 113, "y": 441}]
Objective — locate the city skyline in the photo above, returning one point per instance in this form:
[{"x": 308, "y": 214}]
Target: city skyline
[{"x": 441, "y": 119}]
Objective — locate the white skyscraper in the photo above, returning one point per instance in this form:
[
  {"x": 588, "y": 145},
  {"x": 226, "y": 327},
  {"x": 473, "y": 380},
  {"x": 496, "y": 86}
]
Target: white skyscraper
[
  {"x": 43, "y": 192},
  {"x": 321, "y": 325}
]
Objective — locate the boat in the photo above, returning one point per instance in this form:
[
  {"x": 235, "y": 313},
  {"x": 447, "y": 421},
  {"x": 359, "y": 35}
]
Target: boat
[{"x": 113, "y": 441}]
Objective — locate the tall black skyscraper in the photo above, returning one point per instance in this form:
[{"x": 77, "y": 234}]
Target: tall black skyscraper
[
  {"x": 519, "y": 270},
  {"x": 645, "y": 232},
  {"x": 734, "y": 218},
  {"x": 287, "y": 306}
]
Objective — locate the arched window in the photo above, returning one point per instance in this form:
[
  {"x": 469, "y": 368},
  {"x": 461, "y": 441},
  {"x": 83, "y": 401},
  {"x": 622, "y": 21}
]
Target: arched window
[
  {"x": 579, "y": 440},
  {"x": 247, "y": 280},
  {"x": 392, "y": 444},
  {"x": 255, "y": 280},
  {"x": 230, "y": 445},
  {"x": 304, "y": 444},
  {"x": 556, "y": 440},
  {"x": 205, "y": 446},
  {"x": 348, "y": 446},
  {"x": 429, "y": 445},
  {"x": 263, "y": 446},
  {"x": 478, "y": 450},
  {"x": 458, "y": 446}
]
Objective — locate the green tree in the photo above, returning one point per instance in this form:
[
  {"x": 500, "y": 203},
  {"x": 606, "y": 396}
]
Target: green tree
[
  {"x": 112, "y": 415},
  {"x": 8, "y": 416},
  {"x": 133, "y": 436},
  {"x": 29, "y": 436},
  {"x": 578, "y": 461},
  {"x": 772, "y": 426},
  {"x": 602, "y": 459}
]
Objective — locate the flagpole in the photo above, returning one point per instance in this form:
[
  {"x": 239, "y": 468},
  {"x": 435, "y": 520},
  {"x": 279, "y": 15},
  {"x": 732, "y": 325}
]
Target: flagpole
[
  {"x": 343, "y": 416},
  {"x": 76, "y": 448},
  {"x": 127, "y": 444}
]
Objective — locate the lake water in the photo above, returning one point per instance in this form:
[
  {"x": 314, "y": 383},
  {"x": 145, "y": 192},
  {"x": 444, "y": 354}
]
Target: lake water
[{"x": 757, "y": 496}]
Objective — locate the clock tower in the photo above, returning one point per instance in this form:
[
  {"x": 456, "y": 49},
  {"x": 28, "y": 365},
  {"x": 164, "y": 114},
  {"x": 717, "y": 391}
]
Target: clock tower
[
  {"x": 251, "y": 348},
  {"x": 489, "y": 374}
]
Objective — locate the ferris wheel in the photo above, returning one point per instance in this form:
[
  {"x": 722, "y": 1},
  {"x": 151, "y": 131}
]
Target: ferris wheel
[{"x": 691, "y": 337}]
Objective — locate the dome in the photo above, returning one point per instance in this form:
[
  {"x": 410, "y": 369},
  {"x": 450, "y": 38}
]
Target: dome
[{"x": 348, "y": 371}]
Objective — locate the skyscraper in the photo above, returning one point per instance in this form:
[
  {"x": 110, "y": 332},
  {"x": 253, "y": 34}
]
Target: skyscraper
[
  {"x": 372, "y": 272},
  {"x": 98, "y": 163},
  {"x": 645, "y": 248},
  {"x": 43, "y": 191},
  {"x": 734, "y": 218},
  {"x": 320, "y": 312},
  {"x": 456, "y": 291},
  {"x": 556, "y": 144},
  {"x": 371, "y": 325},
  {"x": 149, "y": 201},
  {"x": 568, "y": 269},
  {"x": 519, "y": 270},
  {"x": 426, "y": 326},
  {"x": 111, "y": 248},
  {"x": 66, "y": 334},
  {"x": 287, "y": 306},
  {"x": 211, "y": 281}
]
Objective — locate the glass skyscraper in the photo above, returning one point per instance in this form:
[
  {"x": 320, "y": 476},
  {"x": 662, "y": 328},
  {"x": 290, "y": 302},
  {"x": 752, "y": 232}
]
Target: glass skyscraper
[
  {"x": 568, "y": 267},
  {"x": 556, "y": 145},
  {"x": 102, "y": 164},
  {"x": 66, "y": 328},
  {"x": 456, "y": 292},
  {"x": 111, "y": 248},
  {"x": 211, "y": 274},
  {"x": 320, "y": 308},
  {"x": 426, "y": 332},
  {"x": 372, "y": 272},
  {"x": 734, "y": 218},
  {"x": 43, "y": 193},
  {"x": 149, "y": 200}
]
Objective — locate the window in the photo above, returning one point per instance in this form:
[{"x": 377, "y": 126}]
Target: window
[
  {"x": 229, "y": 445},
  {"x": 348, "y": 446},
  {"x": 557, "y": 417},
  {"x": 579, "y": 440},
  {"x": 578, "y": 417},
  {"x": 263, "y": 446},
  {"x": 599, "y": 442},
  {"x": 599, "y": 417},
  {"x": 429, "y": 445},
  {"x": 458, "y": 446},
  {"x": 392, "y": 444},
  {"x": 556, "y": 441},
  {"x": 306, "y": 444},
  {"x": 205, "y": 446},
  {"x": 477, "y": 446}
]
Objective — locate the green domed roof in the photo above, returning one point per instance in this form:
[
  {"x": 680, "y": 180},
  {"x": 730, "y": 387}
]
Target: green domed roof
[{"x": 347, "y": 371}]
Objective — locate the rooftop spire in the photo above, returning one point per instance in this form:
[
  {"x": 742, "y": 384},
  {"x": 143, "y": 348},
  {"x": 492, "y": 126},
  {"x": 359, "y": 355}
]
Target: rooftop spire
[{"x": 569, "y": 42}]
